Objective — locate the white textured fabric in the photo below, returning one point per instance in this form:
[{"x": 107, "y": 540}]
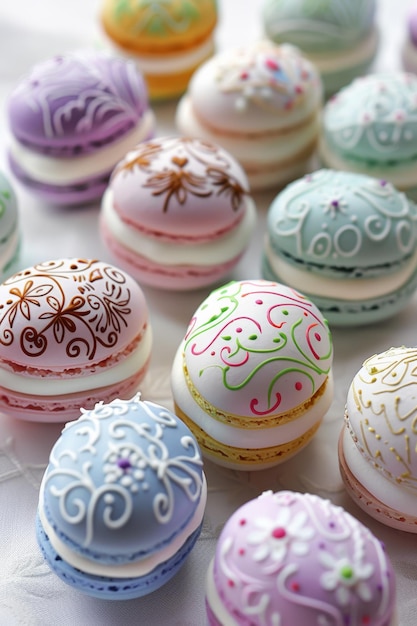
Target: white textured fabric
[{"x": 29, "y": 593}]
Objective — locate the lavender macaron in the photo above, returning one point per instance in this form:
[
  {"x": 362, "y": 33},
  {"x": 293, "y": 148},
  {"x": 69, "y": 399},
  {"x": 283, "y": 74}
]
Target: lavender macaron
[{"x": 72, "y": 119}]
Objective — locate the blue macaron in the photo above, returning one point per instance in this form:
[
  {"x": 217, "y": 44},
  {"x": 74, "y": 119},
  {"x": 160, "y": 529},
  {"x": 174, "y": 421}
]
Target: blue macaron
[
  {"x": 348, "y": 241},
  {"x": 122, "y": 500}
]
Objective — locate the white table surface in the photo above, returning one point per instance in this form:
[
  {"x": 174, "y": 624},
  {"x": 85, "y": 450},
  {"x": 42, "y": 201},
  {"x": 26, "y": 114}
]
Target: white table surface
[{"x": 30, "y": 31}]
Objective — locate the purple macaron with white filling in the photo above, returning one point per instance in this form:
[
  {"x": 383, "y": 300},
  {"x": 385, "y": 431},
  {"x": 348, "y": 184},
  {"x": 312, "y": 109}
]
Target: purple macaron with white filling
[
  {"x": 72, "y": 119},
  {"x": 122, "y": 499}
]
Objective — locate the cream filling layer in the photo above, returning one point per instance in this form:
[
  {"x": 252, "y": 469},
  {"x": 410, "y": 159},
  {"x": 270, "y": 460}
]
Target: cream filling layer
[
  {"x": 171, "y": 63},
  {"x": 401, "y": 175},
  {"x": 251, "y": 439},
  {"x": 56, "y": 171},
  {"x": 201, "y": 253},
  {"x": 8, "y": 250},
  {"x": 37, "y": 386},
  {"x": 339, "y": 60},
  {"x": 269, "y": 147},
  {"x": 399, "y": 498},
  {"x": 349, "y": 289},
  {"x": 126, "y": 570}
]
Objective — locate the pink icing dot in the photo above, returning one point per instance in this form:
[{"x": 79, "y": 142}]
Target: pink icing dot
[
  {"x": 238, "y": 330},
  {"x": 271, "y": 64},
  {"x": 258, "y": 302},
  {"x": 242, "y": 551},
  {"x": 295, "y": 586},
  {"x": 230, "y": 583},
  {"x": 212, "y": 353},
  {"x": 298, "y": 386},
  {"x": 242, "y": 522},
  {"x": 279, "y": 533},
  {"x": 317, "y": 337}
]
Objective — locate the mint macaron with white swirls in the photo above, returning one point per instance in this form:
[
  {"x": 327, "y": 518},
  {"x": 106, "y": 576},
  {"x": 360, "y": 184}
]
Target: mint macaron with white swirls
[
  {"x": 348, "y": 241},
  {"x": 122, "y": 500},
  {"x": 370, "y": 127}
]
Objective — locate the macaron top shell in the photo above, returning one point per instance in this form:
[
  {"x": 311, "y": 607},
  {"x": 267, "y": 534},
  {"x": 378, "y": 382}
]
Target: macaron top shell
[
  {"x": 256, "y": 348},
  {"x": 8, "y": 211},
  {"x": 255, "y": 89},
  {"x": 291, "y": 558},
  {"x": 343, "y": 224},
  {"x": 374, "y": 119},
  {"x": 68, "y": 314},
  {"x": 318, "y": 26},
  {"x": 179, "y": 189},
  {"x": 381, "y": 414},
  {"x": 122, "y": 481},
  {"x": 161, "y": 25},
  {"x": 76, "y": 103}
]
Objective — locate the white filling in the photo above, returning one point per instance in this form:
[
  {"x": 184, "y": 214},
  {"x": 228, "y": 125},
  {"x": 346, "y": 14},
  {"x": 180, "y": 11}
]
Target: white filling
[
  {"x": 395, "y": 496},
  {"x": 349, "y": 289},
  {"x": 339, "y": 60},
  {"x": 202, "y": 253},
  {"x": 251, "y": 439},
  {"x": 37, "y": 386},
  {"x": 63, "y": 171},
  {"x": 171, "y": 63},
  {"x": 257, "y": 150},
  {"x": 126, "y": 570}
]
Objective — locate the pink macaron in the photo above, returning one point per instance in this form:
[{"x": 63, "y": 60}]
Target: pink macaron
[
  {"x": 177, "y": 213},
  {"x": 73, "y": 332}
]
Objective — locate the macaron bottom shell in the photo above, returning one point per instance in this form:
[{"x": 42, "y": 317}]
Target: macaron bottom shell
[
  {"x": 113, "y": 588},
  {"x": 355, "y": 312},
  {"x": 371, "y": 505},
  {"x": 172, "y": 277}
]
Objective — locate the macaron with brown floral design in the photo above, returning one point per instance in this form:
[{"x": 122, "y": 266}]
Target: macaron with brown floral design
[{"x": 177, "y": 213}]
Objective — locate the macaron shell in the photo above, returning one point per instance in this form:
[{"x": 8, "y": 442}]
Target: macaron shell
[
  {"x": 257, "y": 89},
  {"x": 68, "y": 313},
  {"x": 161, "y": 27},
  {"x": 194, "y": 190},
  {"x": 75, "y": 103}
]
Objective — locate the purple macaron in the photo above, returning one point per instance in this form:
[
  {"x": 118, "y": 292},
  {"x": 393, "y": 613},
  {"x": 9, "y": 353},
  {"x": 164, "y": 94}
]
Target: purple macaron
[{"x": 72, "y": 119}]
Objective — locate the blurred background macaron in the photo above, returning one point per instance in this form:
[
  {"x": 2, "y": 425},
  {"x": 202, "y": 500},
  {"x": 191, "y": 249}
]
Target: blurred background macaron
[
  {"x": 378, "y": 442},
  {"x": 167, "y": 40},
  {"x": 339, "y": 36},
  {"x": 370, "y": 127},
  {"x": 9, "y": 228},
  {"x": 71, "y": 119},
  {"x": 262, "y": 104},
  {"x": 409, "y": 48},
  {"x": 178, "y": 213},
  {"x": 122, "y": 500},
  {"x": 348, "y": 241}
]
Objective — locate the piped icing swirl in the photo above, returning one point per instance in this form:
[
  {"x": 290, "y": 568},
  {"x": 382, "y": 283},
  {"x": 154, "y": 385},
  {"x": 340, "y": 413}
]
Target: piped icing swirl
[
  {"x": 122, "y": 481},
  {"x": 291, "y": 558},
  {"x": 67, "y": 313},
  {"x": 374, "y": 119},
  {"x": 76, "y": 103},
  {"x": 256, "y": 348},
  {"x": 381, "y": 415},
  {"x": 343, "y": 225}
]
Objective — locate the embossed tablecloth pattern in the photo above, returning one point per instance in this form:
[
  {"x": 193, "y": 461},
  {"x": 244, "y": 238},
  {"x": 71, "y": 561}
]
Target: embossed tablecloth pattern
[{"x": 29, "y": 593}]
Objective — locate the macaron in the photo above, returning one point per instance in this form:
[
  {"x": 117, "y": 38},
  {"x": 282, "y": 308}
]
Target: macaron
[
  {"x": 122, "y": 500},
  {"x": 370, "y": 127},
  {"x": 177, "y": 213},
  {"x": 348, "y": 241},
  {"x": 167, "y": 39},
  {"x": 262, "y": 103},
  {"x": 252, "y": 377},
  {"x": 9, "y": 228},
  {"x": 294, "y": 558},
  {"x": 339, "y": 36},
  {"x": 72, "y": 332},
  {"x": 72, "y": 118},
  {"x": 409, "y": 47},
  {"x": 378, "y": 443}
]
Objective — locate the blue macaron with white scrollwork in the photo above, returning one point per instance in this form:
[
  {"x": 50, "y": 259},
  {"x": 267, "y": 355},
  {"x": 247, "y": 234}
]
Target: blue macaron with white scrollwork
[
  {"x": 122, "y": 499},
  {"x": 348, "y": 241}
]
